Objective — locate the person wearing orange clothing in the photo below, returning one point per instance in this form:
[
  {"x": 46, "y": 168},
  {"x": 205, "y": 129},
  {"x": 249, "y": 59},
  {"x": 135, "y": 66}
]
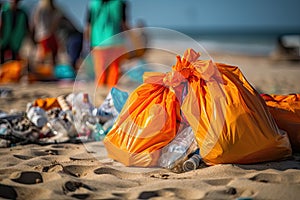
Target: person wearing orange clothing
[{"x": 106, "y": 18}]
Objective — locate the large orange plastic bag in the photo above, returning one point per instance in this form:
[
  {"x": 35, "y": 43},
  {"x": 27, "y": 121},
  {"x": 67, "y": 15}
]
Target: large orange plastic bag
[
  {"x": 148, "y": 121},
  {"x": 286, "y": 111},
  {"x": 229, "y": 118}
]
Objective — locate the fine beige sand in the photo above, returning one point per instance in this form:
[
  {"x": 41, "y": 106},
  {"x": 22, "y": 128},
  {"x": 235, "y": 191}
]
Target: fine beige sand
[{"x": 83, "y": 171}]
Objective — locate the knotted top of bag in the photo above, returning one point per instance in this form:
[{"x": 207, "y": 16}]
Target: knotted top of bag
[{"x": 186, "y": 68}]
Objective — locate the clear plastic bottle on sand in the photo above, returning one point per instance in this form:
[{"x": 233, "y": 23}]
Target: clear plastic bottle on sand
[
  {"x": 36, "y": 115},
  {"x": 173, "y": 155},
  {"x": 82, "y": 109},
  {"x": 60, "y": 130}
]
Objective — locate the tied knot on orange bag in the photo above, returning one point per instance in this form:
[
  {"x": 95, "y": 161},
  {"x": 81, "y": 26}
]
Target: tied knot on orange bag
[
  {"x": 173, "y": 79},
  {"x": 185, "y": 65},
  {"x": 193, "y": 69},
  {"x": 182, "y": 70}
]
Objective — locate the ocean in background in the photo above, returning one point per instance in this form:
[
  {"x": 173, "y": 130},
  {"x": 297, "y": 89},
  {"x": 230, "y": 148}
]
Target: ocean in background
[
  {"x": 242, "y": 43},
  {"x": 245, "y": 37},
  {"x": 250, "y": 44}
]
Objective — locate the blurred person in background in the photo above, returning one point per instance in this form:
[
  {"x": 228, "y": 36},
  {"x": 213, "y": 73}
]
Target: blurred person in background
[
  {"x": 1, "y": 4},
  {"x": 71, "y": 38},
  {"x": 139, "y": 40},
  {"x": 13, "y": 29},
  {"x": 46, "y": 18},
  {"x": 106, "y": 18}
]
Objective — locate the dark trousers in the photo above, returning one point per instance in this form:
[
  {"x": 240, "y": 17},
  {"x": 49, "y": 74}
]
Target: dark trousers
[
  {"x": 14, "y": 54},
  {"x": 74, "y": 46}
]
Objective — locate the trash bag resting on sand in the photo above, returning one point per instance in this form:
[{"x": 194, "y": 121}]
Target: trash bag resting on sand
[
  {"x": 229, "y": 119},
  {"x": 148, "y": 121},
  {"x": 286, "y": 111}
]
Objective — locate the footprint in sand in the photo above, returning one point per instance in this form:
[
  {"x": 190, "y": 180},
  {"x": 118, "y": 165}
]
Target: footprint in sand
[
  {"x": 167, "y": 193},
  {"x": 23, "y": 157},
  {"x": 7, "y": 192},
  {"x": 229, "y": 192},
  {"x": 217, "y": 182},
  {"x": 73, "y": 186},
  {"x": 53, "y": 168},
  {"x": 45, "y": 152},
  {"x": 119, "y": 174},
  {"x": 81, "y": 196},
  {"x": 83, "y": 156},
  {"x": 148, "y": 195},
  {"x": 267, "y": 178},
  {"x": 27, "y": 177},
  {"x": 78, "y": 170}
]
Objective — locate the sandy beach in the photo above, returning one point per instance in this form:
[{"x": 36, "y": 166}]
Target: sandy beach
[{"x": 83, "y": 171}]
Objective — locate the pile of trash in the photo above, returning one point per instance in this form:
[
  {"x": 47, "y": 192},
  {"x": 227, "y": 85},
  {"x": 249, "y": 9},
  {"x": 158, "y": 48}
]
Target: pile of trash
[
  {"x": 199, "y": 109},
  {"x": 67, "y": 118},
  {"x": 199, "y": 113}
]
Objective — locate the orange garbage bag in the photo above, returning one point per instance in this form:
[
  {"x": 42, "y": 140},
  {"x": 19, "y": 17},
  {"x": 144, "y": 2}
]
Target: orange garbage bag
[
  {"x": 149, "y": 121},
  {"x": 286, "y": 111},
  {"x": 11, "y": 71},
  {"x": 230, "y": 120}
]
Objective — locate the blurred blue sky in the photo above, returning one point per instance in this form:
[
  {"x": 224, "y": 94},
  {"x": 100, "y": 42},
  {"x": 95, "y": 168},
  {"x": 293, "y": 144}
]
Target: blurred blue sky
[{"x": 203, "y": 15}]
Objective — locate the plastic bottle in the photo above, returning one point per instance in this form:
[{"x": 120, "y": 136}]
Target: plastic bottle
[
  {"x": 99, "y": 132},
  {"x": 3, "y": 129},
  {"x": 60, "y": 130},
  {"x": 101, "y": 115},
  {"x": 63, "y": 103},
  {"x": 36, "y": 115},
  {"x": 192, "y": 163},
  {"x": 58, "y": 127},
  {"x": 82, "y": 109},
  {"x": 175, "y": 152}
]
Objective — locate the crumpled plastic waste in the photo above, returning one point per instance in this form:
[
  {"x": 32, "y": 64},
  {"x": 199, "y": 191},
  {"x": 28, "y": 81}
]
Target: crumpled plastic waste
[{"x": 66, "y": 118}]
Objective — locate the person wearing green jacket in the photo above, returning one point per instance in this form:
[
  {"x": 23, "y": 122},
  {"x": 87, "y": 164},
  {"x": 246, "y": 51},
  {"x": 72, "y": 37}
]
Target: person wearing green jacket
[
  {"x": 14, "y": 27},
  {"x": 106, "y": 18}
]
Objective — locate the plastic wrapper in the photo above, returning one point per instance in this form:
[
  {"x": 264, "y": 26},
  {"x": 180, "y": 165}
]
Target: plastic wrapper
[
  {"x": 111, "y": 107},
  {"x": 46, "y": 103}
]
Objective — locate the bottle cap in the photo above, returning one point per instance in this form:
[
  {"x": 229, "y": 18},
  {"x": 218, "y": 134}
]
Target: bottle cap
[
  {"x": 85, "y": 97},
  {"x": 192, "y": 163},
  {"x": 39, "y": 121}
]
